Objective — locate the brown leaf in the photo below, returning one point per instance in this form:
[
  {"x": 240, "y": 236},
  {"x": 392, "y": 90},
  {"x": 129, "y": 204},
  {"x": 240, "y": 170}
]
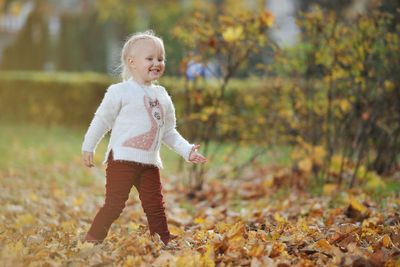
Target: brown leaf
[{"x": 362, "y": 262}]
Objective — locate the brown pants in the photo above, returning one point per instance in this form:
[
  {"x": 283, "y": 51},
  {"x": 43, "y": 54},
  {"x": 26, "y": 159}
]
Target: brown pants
[{"x": 121, "y": 176}]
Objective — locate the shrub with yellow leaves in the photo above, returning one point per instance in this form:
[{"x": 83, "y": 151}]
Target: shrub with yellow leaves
[
  {"x": 227, "y": 38},
  {"x": 342, "y": 97}
]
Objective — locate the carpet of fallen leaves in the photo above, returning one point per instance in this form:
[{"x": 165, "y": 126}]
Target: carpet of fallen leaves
[{"x": 249, "y": 221}]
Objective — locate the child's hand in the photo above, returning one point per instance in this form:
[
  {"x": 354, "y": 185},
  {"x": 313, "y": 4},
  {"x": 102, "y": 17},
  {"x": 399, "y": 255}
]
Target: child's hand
[
  {"x": 88, "y": 158},
  {"x": 196, "y": 157}
]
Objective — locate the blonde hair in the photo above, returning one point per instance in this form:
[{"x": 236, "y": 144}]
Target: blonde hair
[{"x": 128, "y": 49}]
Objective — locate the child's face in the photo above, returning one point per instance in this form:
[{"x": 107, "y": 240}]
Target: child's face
[{"x": 147, "y": 65}]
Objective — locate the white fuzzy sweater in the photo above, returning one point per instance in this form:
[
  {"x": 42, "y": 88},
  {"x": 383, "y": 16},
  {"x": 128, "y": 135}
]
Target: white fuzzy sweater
[{"x": 140, "y": 118}]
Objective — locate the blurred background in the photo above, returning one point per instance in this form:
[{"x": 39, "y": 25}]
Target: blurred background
[
  {"x": 87, "y": 35},
  {"x": 295, "y": 103},
  {"x": 311, "y": 85}
]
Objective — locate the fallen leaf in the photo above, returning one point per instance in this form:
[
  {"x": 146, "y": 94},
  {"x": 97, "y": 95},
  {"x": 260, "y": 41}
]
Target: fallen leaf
[{"x": 386, "y": 241}]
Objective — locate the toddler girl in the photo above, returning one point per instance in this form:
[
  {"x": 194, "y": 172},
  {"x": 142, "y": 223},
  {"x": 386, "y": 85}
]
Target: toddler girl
[{"x": 141, "y": 116}]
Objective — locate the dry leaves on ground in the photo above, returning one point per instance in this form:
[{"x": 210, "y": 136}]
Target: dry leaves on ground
[{"x": 242, "y": 222}]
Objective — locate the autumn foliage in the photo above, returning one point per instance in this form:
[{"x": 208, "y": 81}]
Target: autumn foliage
[
  {"x": 332, "y": 97},
  {"x": 47, "y": 208},
  {"x": 227, "y": 40},
  {"x": 342, "y": 105}
]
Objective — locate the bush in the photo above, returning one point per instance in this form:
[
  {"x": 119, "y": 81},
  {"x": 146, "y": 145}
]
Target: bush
[
  {"x": 343, "y": 104},
  {"x": 72, "y": 98},
  {"x": 51, "y": 98}
]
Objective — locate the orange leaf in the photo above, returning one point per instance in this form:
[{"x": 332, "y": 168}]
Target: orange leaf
[
  {"x": 386, "y": 241},
  {"x": 323, "y": 244},
  {"x": 237, "y": 230},
  {"x": 267, "y": 18}
]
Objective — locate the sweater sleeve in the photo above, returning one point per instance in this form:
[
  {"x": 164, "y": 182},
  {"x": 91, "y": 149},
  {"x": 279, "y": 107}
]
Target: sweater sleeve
[
  {"x": 171, "y": 136},
  {"x": 103, "y": 120}
]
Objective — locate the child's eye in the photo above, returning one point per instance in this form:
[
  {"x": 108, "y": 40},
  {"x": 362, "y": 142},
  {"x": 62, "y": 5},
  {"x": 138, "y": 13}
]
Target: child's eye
[{"x": 149, "y": 58}]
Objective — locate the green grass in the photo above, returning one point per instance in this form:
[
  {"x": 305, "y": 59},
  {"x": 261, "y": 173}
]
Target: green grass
[
  {"x": 53, "y": 153},
  {"x": 26, "y": 148},
  {"x": 50, "y": 154}
]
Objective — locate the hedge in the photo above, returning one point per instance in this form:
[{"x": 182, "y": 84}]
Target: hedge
[
  {"x": 72, "y": 98},
  {"x": 48, "y": 98}
]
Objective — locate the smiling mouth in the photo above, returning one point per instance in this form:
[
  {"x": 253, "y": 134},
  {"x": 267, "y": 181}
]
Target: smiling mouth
[{"x": 155, "y": 70}]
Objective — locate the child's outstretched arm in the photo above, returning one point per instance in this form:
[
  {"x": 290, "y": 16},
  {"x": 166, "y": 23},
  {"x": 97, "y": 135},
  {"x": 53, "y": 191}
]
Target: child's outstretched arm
[
  {"x": 102, "y": 122},
  {"x": 176, "y": 142},
  {"x": 196, "y": 157}
]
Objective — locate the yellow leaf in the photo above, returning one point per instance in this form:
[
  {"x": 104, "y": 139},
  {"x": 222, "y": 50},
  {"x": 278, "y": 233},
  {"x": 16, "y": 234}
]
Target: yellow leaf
[
  {"x": 269, "y": 182},
  {"x": 199, "y": 220},
  {"x": 302, "y": 224},
  {"x": 318, "y": 154},
  {"x": 336, "y": 163},
  {"x": 389, "y": 85},
  {"x": 344, "y": 105},
  {"x": 207, "y": 259},
  {"x": 175, "y": 230},
  {"x": 278, "y": 218},
  {"x": 305, "y": 165},
  {"x": 200, "y": 235},
  {"x": 204, "y": 117},
  {"x": 386, "y": 241},
  {"x": 232, "y": 34},
  {"x": 222, "y": 227},
  {"x": 275, "y": 235},
  {"x": 355, "y": 204},
  {"x": 372, "y": 221},
  {"x": 366, "y": 231}
]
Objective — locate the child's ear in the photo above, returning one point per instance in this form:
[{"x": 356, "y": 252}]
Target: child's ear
[{"x": 130, "y": 61}]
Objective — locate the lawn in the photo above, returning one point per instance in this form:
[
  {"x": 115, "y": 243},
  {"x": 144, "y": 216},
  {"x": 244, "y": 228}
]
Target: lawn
[{"x": 49, "y": 199}]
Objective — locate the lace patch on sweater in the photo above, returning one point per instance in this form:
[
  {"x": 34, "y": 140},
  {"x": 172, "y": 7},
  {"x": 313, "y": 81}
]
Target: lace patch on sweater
[{"x": 146, "y": 141}]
